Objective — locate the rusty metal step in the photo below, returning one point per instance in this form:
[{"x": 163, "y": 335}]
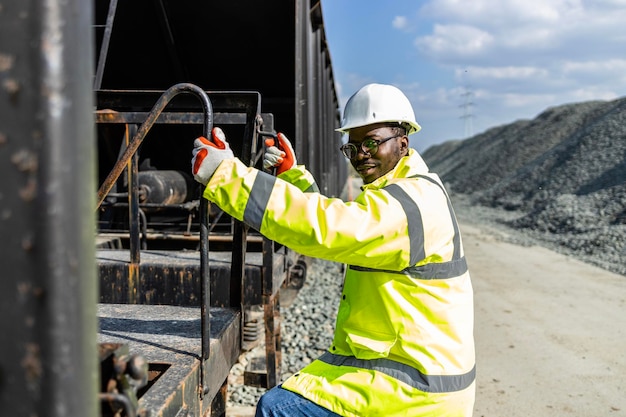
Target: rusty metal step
[{"x": 169, "y": 339}]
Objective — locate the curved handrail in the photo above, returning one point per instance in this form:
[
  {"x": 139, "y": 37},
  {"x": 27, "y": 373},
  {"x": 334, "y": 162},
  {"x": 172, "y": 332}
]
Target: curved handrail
[{"x": 156, "y": 111}]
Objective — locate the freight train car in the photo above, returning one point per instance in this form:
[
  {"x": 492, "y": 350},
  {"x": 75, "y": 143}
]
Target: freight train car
[{"x": 182, "y": 288}]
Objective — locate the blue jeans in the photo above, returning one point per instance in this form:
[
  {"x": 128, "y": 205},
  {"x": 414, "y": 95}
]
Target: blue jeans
[{"x": 278, "y": 402}]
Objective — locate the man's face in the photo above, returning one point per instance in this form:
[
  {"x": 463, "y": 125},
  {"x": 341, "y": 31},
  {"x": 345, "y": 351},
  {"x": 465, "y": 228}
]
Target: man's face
[{"x": 370, "y": 167}]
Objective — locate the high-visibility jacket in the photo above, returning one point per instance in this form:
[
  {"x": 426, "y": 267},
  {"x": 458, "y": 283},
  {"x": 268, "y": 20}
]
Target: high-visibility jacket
[{"x": 403, "y": 343}]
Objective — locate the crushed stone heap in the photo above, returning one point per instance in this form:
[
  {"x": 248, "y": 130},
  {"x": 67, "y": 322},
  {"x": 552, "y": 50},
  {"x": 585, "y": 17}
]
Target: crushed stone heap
[{"x": 560, "y": 178}]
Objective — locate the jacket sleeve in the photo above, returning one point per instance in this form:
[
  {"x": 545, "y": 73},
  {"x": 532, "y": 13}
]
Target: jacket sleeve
[
  {"x": 372, "y": 232},
  {"x": 301, "y": 178}
]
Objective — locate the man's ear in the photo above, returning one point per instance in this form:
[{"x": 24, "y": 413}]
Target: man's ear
[{"x": 404, "y": 145}]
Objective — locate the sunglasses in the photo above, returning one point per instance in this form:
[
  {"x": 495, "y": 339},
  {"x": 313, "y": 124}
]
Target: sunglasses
[{"x": 368, "y": 146}]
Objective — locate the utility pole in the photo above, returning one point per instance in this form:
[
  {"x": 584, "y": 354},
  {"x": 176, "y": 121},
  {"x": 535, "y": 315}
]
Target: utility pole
[{"x": 468, "y": 115}]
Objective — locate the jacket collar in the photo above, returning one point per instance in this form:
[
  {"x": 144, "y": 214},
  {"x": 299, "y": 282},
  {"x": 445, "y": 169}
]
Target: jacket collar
[{"x": 407, "y": 166}]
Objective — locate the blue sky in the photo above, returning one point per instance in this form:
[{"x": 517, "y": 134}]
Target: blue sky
[{"x": 468, "y": 65}]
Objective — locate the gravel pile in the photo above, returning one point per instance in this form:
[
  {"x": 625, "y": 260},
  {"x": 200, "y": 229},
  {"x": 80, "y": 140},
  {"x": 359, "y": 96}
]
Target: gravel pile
[{"x": 560, "y": 179}]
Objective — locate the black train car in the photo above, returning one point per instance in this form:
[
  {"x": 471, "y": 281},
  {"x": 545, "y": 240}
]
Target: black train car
[
  {"x": 276, "y": 48},
  {"x": 165, "y": 73},
  {"x": 141, "y": 317}
]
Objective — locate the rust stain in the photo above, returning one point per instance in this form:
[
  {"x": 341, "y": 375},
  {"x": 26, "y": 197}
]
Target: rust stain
[
  {"x": 25, "y": 160},
  {"x": 29, "y": 191},
  {"x": 31, "y": 362},
  {"x": 106, "y": 115},
  {"x": 6, "y": 61},
  {"x": 133, "y": 279},
  {"x": 11, "y": 86}
]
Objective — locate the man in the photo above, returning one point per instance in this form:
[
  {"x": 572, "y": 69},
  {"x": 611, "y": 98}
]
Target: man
[{"x": 403, "y": 344}]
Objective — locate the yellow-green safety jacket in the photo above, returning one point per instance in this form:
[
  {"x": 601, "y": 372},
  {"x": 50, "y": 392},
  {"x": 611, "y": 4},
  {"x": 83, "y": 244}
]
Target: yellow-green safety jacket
[{"x": 403, "y": 343}]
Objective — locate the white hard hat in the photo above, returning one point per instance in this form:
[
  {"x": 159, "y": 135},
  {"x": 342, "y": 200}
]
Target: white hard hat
[{"x": 378, "y": 103}]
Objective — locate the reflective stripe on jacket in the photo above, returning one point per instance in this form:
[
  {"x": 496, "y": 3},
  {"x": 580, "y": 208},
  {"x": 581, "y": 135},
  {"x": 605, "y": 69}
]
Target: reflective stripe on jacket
[{"x": 403, "y": 343}]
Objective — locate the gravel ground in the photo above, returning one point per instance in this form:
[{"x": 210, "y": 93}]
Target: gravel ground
[
  {"x": 598, "y": 244},
  {"x": 307, "y": 329}
]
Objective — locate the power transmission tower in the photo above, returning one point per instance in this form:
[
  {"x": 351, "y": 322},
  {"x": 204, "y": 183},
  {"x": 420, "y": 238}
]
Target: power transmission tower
[{"x": 468, "y": 114}]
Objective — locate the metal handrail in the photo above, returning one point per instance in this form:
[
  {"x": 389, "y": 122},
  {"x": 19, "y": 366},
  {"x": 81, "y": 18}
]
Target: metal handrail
[{"x": 163, "y": 101}]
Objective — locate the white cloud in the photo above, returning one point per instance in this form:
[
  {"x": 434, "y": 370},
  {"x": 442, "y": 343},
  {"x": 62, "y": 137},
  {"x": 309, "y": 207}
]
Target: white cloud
[
  {"x": 513, "y": 100},
  {"x": 492, "y": 13},
  {"x": 400, "y": 23},
  {"x": 529, "y": 44},
  {"x": 455, "y": 39},
  {"x": 592, "y": 93},
  {"x": 502, "y": 73},
  {"x": 612, "y": 66},
  {"x": 521, "y": 25}
]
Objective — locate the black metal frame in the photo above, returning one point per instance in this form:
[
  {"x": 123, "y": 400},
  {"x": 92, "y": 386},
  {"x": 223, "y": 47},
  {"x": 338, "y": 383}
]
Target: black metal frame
[{"x": 121, "y": 107}]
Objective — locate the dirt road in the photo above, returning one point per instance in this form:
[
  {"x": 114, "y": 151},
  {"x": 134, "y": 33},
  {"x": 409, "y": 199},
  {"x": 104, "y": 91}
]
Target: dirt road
[{"x": 550, "y": 332}]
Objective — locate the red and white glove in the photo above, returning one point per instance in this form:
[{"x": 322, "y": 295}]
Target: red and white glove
[
  {"x": 207, "y": 155},
  {"x": 275, "y": 158}
]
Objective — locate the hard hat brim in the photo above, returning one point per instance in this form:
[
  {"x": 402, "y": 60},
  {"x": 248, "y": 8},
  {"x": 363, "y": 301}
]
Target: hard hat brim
[{"x": 412, "y": 127}]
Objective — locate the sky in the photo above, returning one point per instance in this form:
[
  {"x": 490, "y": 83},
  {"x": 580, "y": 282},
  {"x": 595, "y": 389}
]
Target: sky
[{"x": 469, "y": 65}]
